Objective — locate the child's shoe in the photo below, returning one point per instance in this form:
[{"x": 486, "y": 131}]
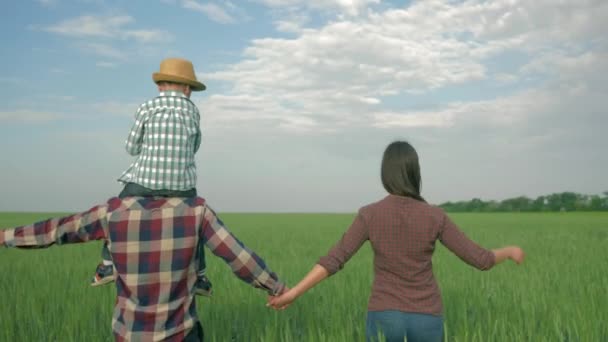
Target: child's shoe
[
  {"x": 203, "y": 286},
  {"x": 103, "y": 274}
]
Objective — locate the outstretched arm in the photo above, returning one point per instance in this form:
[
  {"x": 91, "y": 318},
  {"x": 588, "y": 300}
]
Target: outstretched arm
[
  {"x": 350, "y": 243},
  {"x": 317, "y": 274},
  {"x": 245, "y": 264},
  {"x": 90, "y": 225},
  {"x": 471, "y": 253}
]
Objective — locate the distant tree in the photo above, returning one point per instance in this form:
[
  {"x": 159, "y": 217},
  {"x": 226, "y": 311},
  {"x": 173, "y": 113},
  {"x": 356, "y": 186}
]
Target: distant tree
[
  {"x": 566, "y": 201},
  {"x": 595, "y": 203},
  {"x": 554, "y": 202},
  {"x": 475, "y": 205},
  {"x": 538, "y": 204}
]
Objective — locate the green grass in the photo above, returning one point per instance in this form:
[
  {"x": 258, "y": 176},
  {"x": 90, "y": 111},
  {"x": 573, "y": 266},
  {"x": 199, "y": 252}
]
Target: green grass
[{"x": 559, "y": 294}]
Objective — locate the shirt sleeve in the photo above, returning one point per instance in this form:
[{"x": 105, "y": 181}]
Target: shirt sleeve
[
  {"x": 350, "y": 243},
  {"x": 197, "y": 137},
  {"x": 90, "y": 225},
  {"x": 467, "y": 250},
  {"x": 135, "y": 138},
  {"x": 245, "y": 264}
]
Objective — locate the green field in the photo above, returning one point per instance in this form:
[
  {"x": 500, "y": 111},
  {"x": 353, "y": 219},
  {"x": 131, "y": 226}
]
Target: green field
[{"x": 559, "y": 294}]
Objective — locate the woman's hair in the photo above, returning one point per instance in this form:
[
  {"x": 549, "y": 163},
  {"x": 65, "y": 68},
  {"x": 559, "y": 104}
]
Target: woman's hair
[{"x": 400, "y": 171}]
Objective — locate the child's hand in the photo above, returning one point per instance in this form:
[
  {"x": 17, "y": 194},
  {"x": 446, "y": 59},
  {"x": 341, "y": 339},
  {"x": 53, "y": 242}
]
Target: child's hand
[{"x": 517, "y": 254}]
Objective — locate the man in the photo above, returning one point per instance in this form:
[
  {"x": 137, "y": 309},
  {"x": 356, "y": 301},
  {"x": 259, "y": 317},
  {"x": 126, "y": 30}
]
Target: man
[{"x": 153, "y": 244}]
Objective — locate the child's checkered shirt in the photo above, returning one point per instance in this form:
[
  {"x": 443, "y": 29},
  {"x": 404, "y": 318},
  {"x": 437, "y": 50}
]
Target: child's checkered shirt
[{"x": 165, "y": 137}]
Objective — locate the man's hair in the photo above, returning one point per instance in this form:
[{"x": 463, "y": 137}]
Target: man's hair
[{"x": 400, "y": 170}]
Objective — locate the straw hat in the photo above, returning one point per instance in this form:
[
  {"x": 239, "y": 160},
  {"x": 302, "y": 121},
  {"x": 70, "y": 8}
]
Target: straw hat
[{"x": 179, "y": 71}]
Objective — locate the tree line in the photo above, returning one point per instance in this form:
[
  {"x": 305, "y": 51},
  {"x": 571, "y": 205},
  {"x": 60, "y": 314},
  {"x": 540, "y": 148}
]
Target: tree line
[{"x": 564, "y": 201}]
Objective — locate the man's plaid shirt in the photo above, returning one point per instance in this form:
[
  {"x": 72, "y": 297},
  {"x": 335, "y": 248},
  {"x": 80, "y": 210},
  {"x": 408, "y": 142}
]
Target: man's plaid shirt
[
  {"x": 153, "y": 245},
  {"x": 165, "y": 137}
]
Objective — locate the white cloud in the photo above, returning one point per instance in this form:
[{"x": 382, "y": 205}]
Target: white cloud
[
  {"x": 211, "y": 10},
  {"x": 505, "y": 111},
  {"x": 349, "y": 7},
  {"x": 61, "y": 98},
  {"x": 115, "y": 108},
  {"x": 103, "y": 64},
  {"x": 13, "y": 80},
  {"x": 47, "y": 3},
  {"x": 104, "y": 50},
  {"x": 350, "y": 72},
  {"x": 109, "y": 27},
  {"x": 29, "y": 116},
  {"x": 420, "y": 119},
  {"x": 292, "y": 22}
]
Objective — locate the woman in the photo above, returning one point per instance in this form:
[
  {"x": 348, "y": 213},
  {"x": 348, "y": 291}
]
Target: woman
[{"x": 402, "y": 229}]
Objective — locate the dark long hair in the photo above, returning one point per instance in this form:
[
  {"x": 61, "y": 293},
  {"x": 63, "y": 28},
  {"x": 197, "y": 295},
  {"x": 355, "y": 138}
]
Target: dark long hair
[{"x": 400, "y": 171}]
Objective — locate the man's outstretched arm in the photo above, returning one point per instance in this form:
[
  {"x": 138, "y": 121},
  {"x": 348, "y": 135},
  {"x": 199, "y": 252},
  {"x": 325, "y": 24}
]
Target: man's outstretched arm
[
  {"x": 90, "y": 225},
  {"x": 245, "y": 264}
]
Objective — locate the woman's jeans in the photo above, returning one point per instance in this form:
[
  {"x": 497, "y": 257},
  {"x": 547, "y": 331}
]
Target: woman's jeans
[{"x": 394, "y": 325}]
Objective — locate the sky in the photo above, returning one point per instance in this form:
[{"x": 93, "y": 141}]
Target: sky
[{"x": 501, "y": 98}]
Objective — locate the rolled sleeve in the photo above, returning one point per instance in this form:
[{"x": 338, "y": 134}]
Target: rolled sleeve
[
  {"x": 348, "y": 245},
  {"x": 245, "y": 263},
  {"x": 463, "y": 247},
  {"x": 90, "y": 225}
]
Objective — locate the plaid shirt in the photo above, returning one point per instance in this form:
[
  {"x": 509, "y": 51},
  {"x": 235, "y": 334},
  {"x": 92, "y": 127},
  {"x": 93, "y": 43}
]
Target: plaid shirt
[
  {"x": 153, "y": 245},
  {"x": 165, "y": 137},
  {"x": 402, "y": 232}
]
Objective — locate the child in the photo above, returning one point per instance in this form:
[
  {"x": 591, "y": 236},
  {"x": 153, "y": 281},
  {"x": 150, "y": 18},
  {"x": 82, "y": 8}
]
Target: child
[{"x": 165, "y": 137}]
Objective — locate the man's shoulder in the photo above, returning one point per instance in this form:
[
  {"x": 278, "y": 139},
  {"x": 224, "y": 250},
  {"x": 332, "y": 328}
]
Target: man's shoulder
[{"x": 153, "y": 203}]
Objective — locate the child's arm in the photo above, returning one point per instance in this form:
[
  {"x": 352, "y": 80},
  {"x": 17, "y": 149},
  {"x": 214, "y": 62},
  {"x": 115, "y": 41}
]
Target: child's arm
[
  {"x": 317, "y": 274},
  {"x": 135, "y": 138},
  {"x": 197, "y": 138}
]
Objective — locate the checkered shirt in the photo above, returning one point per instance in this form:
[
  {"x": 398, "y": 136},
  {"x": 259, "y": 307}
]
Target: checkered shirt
[
  {"x": 153, "y": 245},
  {"x": 165, "y": 137},
  {"x": 402, "y": 232}
]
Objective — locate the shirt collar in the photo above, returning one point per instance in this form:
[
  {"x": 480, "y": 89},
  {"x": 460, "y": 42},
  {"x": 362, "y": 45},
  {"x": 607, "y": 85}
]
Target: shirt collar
[{"x": 173, "y": 93}]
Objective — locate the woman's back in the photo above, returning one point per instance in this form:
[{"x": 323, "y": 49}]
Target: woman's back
[{"x": 402, "y": 232}]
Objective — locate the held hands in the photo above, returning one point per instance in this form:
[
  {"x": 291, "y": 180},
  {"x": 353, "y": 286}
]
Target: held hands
[
  {"x": 282, "y": 301},
  {"x": 317, "y": 274}
]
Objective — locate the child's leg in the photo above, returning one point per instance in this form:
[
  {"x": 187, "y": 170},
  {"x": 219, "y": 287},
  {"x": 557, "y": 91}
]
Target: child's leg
[
  {"x": 202, "y": 265},
  {"x": 105, "y": 271},
  {"x": 106, "y": 256}
]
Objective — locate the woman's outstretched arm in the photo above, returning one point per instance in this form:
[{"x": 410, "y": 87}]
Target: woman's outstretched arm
[{"x": 315, "y": 276}]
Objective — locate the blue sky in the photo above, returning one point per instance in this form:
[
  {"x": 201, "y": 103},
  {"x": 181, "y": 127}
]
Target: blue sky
[{"x": 501, "y": 98}]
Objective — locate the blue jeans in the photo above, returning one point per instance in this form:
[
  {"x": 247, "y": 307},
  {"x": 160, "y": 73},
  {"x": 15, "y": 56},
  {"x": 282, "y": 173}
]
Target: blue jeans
[{"x": 395, "y": 325}]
